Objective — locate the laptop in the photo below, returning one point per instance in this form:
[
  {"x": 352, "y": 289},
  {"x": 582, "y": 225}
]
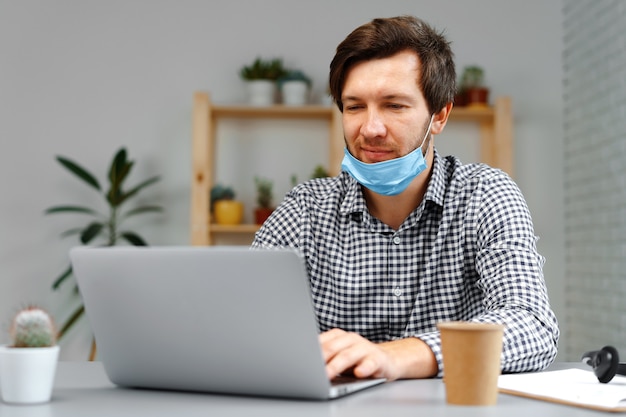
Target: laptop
[{"x": 218, "y": 319}]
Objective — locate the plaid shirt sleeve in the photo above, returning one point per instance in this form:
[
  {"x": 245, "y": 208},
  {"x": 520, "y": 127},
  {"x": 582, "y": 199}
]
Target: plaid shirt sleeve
[
  {"x": 468, "y": 252},
  {"x": 509, "y": 275}
]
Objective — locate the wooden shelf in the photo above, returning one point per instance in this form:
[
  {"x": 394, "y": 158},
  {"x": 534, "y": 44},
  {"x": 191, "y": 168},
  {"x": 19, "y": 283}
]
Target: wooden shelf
[
  {"x": 206, "y": 116},
  {"x": 237, "y": 228},
  {"x": 472, "y": 114},
  {"x": 282, "y": 112},
  {"x": 496, "y": 131},
  {"x": 496, "y": 143}
]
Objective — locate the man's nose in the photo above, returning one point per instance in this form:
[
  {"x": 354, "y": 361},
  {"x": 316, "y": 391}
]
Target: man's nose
[{"x": 373, "y": 125}]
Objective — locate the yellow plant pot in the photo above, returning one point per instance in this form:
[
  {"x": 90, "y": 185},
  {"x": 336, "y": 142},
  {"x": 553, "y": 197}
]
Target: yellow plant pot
[{"x": 228, "y": 212}]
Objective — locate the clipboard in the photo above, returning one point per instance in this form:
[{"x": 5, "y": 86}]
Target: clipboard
[{"x": 576, "y": 387}]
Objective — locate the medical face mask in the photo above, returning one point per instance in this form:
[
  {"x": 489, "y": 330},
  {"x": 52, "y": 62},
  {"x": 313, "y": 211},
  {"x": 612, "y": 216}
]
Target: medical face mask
[{"x": 387, "y": 177}]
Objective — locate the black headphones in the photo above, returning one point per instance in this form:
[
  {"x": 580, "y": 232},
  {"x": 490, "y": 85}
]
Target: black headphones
[{"x": 605, "y": 363}]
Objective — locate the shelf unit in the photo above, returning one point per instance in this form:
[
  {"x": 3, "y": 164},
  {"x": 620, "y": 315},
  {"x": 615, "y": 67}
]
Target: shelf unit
[
  {"x": 205, "y": 117},
  {"x": 496, "y": 147}
]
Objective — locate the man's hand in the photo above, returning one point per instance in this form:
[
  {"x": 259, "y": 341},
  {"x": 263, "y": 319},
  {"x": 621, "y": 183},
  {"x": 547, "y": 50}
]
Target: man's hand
[{"x": 404, "y": 358}]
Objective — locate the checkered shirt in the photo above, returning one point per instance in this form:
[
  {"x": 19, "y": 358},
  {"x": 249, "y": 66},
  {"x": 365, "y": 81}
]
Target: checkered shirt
[{"x": 468, "y": 252}]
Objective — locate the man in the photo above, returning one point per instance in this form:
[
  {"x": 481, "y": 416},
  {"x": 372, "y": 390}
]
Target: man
[{"x": 404, "y": 238}]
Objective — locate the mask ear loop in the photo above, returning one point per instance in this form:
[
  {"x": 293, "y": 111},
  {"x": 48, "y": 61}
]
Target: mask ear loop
[{"x": 427, "y": 136}]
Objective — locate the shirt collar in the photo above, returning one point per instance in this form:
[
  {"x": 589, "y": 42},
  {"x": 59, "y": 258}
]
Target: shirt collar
[
  {"x": 436, "y": 189},
  {"x": 354, "y": 201}
]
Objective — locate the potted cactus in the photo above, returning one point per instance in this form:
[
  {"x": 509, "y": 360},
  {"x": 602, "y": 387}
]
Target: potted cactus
[
  {"x": 28, "y": 364},
  {"x": 264, "y": 199}
]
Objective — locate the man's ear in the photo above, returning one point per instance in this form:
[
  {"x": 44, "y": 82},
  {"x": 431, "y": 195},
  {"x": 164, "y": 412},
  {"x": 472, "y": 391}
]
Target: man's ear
[{"x": 440, "y": 119}]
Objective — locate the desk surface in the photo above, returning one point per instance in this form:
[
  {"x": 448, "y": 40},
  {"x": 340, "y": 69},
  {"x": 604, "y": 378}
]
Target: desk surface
[{"x": 82, "y": 389}]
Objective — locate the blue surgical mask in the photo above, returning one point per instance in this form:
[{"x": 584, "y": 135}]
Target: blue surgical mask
[{"x": 387, "y": 177}]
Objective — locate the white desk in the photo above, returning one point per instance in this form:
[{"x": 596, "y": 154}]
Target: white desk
[{"x": 83, "y": 390}]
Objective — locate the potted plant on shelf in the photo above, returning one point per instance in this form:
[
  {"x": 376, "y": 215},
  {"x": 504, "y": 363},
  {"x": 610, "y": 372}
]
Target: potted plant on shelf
[
  {"x": 294, "y": 87},
  {"x": 472, "y": 90},
  {"x": 28, "y": 364},
  {"x": 319, "y": 172},
  {"x": 107, "y": 227},
  {"x": 264, "y": 199},
  {"x": 261, "y": 77},
  {"x": 225, "y": 209}
]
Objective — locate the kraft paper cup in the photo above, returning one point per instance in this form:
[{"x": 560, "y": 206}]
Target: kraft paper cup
[{"x": 471, "y": 361}]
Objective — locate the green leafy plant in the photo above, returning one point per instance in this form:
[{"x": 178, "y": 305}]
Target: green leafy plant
[
  {"x": 261, "y": 69},
  {"x": 473, "y": 76},
  {"x": 264, "y": 189},
  {"x": 221, "y": 192},
  {"x": 294, "y": 75},
  {"x": 319, "y": 172},
  {"x": 105, "y": 227},
  {"x": 472, "y": 89},
  {"x": 32, "y": 327}
]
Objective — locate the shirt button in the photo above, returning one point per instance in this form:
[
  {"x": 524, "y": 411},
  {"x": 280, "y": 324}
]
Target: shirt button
[
  {"x": 396, "y": 240},
  {"x": 397, "y": 292}
]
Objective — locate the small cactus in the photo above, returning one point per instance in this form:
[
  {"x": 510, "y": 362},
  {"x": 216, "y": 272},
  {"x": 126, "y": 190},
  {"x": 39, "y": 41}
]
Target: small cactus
[
  {"x": 32, "y": 327},
  {"x": 264, "y": 192}
]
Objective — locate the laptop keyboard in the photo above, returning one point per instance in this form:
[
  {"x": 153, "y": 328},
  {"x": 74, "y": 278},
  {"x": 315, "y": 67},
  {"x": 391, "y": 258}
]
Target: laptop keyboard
[{"x": 343, "y": 379}]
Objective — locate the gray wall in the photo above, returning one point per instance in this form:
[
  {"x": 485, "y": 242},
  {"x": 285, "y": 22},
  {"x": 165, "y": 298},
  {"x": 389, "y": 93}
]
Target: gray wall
[
  {"x": 595, "y": 173},
  {"x": 81, "y": 79}
]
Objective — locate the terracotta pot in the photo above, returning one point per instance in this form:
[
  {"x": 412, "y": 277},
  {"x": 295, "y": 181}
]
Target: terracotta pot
[
  {"x": 228, "y": 212},
  {"x": 477, "y": 96},
  {"x": 261, "y": 214},
  {"x": 460, "y": 99}
]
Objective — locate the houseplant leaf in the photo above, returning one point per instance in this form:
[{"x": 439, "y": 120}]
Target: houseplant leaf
[
  {"x": 143, "y": 209},
  {"x": 119, "y": 170},
  {"x": 71, "y": 320},
  {"x": 127, "y": 195},
  {"x": 90, "y": 232},
  {"x": 71, "y": 232},
  {"x": 57, "y": 282},
  {"x": 134, "y": 238},
  {"x": 79, "y": 171},
  {"x": 68, "y": 209},
  {"x": 117, "y": 178},
  {"x": 119, "y": 167}
]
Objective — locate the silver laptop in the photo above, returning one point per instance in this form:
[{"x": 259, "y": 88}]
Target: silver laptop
[{"x": 213, "y": 319}]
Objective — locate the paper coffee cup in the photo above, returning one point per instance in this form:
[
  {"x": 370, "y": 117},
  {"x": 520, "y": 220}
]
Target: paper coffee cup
[{"x": 471, "y": 361}]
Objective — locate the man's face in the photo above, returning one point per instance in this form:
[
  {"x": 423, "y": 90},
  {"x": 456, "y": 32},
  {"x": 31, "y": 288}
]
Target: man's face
[{"x": 385, "y": 115}]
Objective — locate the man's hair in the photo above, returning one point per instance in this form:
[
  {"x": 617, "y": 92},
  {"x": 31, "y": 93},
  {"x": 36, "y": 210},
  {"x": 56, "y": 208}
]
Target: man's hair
[{"x": 384, "y": 37}]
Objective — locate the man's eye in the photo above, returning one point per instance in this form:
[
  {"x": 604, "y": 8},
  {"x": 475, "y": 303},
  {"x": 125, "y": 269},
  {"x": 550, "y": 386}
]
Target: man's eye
[{"x": 395, "y": 106}]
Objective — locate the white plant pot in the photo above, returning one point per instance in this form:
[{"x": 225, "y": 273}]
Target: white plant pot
[
  {"x": 295, "y": 93},
  {"x": 27, "y": 374},
  {"x": 261, "y": 92}
]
